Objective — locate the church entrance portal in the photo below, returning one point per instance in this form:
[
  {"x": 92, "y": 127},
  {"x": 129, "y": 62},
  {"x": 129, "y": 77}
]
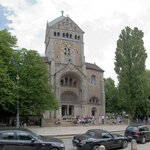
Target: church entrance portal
[
  {"x": 93, "y": 111},
  {"x": 67, "y": 110}
]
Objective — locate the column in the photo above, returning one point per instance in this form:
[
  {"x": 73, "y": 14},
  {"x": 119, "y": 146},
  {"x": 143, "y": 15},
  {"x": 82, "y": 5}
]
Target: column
[{"x": 68, "y": 110}]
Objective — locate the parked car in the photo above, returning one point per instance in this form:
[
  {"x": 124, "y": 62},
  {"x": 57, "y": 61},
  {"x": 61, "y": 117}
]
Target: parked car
[
  {"x": 24, "y": 139},
  {"x": 141, "y": 133},
  {"x": 93, "y": 138}
]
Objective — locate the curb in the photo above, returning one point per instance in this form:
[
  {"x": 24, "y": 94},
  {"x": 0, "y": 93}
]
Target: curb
[{"x": 72, "y": 135}]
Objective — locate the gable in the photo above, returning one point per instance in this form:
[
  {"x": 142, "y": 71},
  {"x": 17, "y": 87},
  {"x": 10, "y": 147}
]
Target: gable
[
  {"x": 65, "y": 23},
  {"x": 70, "y": 68}
]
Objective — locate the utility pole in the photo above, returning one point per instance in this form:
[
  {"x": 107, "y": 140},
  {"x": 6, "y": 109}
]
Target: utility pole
[{"x": 17, "y": 117}]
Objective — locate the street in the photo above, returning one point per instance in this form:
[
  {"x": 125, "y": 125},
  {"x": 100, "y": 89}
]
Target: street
[{"x": 69, "y": 146}]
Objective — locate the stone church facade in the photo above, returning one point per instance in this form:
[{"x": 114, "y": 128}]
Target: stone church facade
[{"x": 78, "y": 85}]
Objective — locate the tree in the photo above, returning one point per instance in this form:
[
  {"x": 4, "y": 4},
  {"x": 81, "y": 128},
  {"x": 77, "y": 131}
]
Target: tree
[
  {"x": 35, "y": 93},
  {"x": 111, "y": 93},
  {"x": 130, "y": 57},
  {"x": 7, "y": 86},
  {"x": 147, "y": 88},
  {"x": 7, "y": 97},
  {"x": 35, "y": 90},
  {"x": 7, "y": 45}
]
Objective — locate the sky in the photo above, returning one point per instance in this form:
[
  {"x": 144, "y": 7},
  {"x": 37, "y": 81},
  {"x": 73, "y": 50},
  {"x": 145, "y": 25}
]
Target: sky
[{"x": 101, "y": 20}]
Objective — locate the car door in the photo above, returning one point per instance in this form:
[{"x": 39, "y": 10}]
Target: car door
[
  {"x": 145, "y": 132},
  {"x": 148, "y": 132},
  {"x": 131, "y": 132},
  {"x": 8, "y": 140},
  {"x": 108, "y": 140},
  {"x": 26, "y": 141}
]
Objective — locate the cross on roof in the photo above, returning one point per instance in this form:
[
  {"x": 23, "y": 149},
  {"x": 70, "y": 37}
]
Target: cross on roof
[{"x": 62, "y": 12}]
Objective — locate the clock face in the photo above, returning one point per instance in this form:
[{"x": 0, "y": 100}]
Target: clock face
[{"x": 68, "y": 48}]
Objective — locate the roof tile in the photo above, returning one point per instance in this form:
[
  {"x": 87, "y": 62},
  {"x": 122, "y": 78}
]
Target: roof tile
[{"x": 93, "y": 67}]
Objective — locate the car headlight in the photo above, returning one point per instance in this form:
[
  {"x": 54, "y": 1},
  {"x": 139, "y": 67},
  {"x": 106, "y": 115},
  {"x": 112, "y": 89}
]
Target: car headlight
[
  {"x": 83, "y": 142},
  {"x": 62, "y": 145}
]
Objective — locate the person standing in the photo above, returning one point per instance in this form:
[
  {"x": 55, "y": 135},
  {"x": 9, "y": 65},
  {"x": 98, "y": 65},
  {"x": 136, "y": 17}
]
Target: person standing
[
  {"x": 93, "y": 120},
  {"x": 103, "y": 119}
]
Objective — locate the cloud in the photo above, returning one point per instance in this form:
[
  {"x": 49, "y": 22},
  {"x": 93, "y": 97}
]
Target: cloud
[{"x": 101, "y": 20}]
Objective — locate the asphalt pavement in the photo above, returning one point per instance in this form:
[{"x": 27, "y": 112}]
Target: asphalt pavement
[{"x": 62, "y": 131}]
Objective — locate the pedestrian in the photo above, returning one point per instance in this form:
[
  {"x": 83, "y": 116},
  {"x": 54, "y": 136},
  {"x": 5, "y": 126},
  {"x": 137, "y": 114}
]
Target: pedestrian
[
  {"x": 100, "y": 119},
  {"x": 93, "y": 119},
  {"x": 118, "y": 120},
  {"x": 58, "y": 122},
  {"x": 103, "y": 119}
]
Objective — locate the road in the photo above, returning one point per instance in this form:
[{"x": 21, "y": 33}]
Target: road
[{"x": 69, "y": 146}]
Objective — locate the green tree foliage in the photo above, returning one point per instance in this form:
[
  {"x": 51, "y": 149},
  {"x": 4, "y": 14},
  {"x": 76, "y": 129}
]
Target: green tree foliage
[
  {"x": 7, "y": 97},
  {"x": 35, "y": 93},
  {"x": 130, "y": 57},
  {"x": 147, "y": 89},
  {"x": 111, "y": 94},
  {"x": 7, "y": 44},
  {"x": 7, "y": 86}
]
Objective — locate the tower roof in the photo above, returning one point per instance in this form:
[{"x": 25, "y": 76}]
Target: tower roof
[
  {"x": 56, "y": 20},
  {"x": 93, "y": 67}
]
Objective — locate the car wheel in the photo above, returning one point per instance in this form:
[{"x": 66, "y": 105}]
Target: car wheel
[
  {"x": 143, "y": 140},
  {"x": 124, "y": 144},
  {"x": 95, "y": 147},
  {"x": 54, "y": 149}
]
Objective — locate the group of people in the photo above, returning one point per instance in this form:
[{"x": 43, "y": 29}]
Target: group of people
[
  {"x": 85, "y": 119},
  {"x": 114, "y": 118}
]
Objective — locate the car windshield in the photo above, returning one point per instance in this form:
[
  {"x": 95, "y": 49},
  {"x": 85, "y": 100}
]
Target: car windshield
[
  {"x": 36, "y": 135},
  {"x": 90, "y": 133},
  {"x": 133, "y": 129}
]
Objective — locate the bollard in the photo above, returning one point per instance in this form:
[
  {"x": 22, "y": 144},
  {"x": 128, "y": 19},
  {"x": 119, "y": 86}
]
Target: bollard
[
  {"x": 102, "y": 147},
  {"x": 133, "y": 145}
]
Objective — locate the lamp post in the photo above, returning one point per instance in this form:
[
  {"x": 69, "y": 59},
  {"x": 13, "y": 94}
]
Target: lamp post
[{"x": 17, "y": 117}]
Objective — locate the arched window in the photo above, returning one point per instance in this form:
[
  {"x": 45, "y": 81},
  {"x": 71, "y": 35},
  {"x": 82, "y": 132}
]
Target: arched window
[
  {"x": 94, "y": 100},
  {"x": 75, "y": 36},
  {"x": 74, "y": 84},
  {"x": 71, "y": 36},
  {"x": 90, "y": 101},
  {"x": 70, "y": 82},
  {"x": 63, "y": 34},
  {"x": 78, "y": 37},
  {"x": 54, "y": 33},
  {"x": 67, "y": 35},
  {"x": 62, "y": 82},
  {"x": 66, "y": 81},
  {"x": 58, "y": 33},
  {"x": 93, "y": 80}
]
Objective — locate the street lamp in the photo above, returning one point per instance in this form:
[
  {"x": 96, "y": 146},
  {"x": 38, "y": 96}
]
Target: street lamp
[{"x": 17, "y": 117}]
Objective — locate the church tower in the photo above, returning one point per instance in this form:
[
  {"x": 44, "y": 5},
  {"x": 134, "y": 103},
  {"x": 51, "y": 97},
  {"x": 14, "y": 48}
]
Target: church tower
[
  {"x": 78, "y": 86},
  {"x": 64, "y": 41}
]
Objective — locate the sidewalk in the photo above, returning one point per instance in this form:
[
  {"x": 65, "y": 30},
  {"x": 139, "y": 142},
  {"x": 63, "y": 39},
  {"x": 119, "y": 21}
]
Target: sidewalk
[{"x": 73, "y": 130}]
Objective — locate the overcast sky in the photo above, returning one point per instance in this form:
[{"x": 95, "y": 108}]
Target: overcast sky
[{"x": 101, "y": 20}]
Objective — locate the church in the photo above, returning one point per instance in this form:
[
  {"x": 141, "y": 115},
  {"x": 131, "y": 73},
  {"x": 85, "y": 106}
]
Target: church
[{"x": 78, "y": 85}]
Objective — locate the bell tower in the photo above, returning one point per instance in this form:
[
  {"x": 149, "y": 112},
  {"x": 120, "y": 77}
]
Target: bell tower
[
  {"x": 77, "y": 85},
  {"x": 64, "y": 41}
]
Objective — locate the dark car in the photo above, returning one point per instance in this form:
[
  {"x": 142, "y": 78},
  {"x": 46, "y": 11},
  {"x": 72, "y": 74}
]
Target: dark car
[
  {"x": 24, "y": 139},
  {"x": 93, "y": 138},
  {"x": 141, "y": 133}
]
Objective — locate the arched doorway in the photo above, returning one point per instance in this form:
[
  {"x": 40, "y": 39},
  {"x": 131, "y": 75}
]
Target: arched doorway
[
  {"x": 93, "y": 111},
  {"x": 68, "y": 101}
]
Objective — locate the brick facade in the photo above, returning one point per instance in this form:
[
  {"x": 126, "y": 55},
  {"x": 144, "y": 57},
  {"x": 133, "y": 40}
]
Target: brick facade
[{"x": 77, "y": 85}]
